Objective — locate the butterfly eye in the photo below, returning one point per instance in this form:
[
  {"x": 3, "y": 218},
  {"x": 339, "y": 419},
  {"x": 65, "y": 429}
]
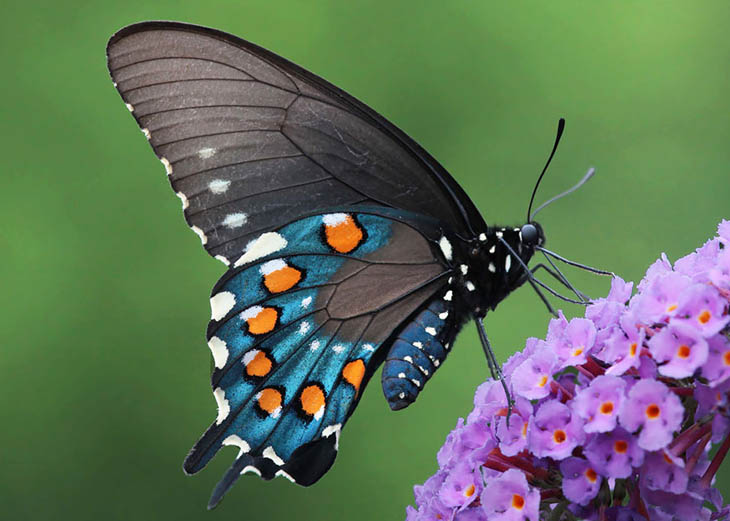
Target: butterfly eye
[{"x": 529, "y": 234}]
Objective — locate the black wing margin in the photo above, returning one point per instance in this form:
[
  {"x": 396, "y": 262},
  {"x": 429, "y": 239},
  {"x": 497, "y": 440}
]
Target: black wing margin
[{"x": 250, "y": 140}]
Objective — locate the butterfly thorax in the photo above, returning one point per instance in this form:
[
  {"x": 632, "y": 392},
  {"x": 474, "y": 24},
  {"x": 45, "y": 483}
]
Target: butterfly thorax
[{"x": 486, "y": 271}]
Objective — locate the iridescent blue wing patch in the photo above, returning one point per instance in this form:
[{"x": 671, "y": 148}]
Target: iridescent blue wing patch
[{"x": 300, "y": 323}]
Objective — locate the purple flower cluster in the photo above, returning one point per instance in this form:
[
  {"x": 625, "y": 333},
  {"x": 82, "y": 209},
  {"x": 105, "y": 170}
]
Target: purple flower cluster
[{"x": 621, "y": 415}]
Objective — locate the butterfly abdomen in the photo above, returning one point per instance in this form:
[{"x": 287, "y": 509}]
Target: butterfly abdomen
[{"x": 418, "y": 351}]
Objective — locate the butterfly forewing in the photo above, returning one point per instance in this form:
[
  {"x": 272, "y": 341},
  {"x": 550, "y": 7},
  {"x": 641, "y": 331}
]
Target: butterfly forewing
[{"x": 250, "y": 140}]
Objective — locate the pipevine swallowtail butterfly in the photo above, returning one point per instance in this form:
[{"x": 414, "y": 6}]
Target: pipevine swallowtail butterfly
[{"x": 347, "y": 245}]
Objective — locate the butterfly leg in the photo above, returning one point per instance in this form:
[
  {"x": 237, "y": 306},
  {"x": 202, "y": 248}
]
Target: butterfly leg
[
  {"x": 560, "y": 277},
  {"x": 494, "y": 367}
]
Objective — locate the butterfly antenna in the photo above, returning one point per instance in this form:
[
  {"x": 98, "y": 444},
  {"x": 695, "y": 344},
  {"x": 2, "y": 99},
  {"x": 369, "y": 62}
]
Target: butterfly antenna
[
  {"x": 569, "y": 191},
  {"x": 561, "y": 127}
]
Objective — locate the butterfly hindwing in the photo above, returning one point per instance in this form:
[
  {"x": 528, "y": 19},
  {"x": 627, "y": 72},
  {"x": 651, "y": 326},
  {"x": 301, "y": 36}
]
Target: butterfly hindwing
[
  {"x": 298, "y": 327},
  {"x": 251, "y": 141}
]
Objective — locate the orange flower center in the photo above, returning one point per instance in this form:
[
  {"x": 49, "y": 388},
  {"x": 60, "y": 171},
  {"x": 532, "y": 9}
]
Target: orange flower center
[
  {"x": 652, "y": 411},
  {"x": 543, "y": 381},
  {"x": 469, "y": 492},
  {"x": 632, "y": 349},
  {"x": 671, "y": 308},
  {"x": 606, "y": 408},
  {"x": 559, "y": 436},
  {"x": 683, "y": 351},
  {"x": 591, "y": 475},
  {"x": 620, "y": 446},
  {"x": 726, "y": 358},
  {"x": 704, "y": 317},
  {"x": 518, "y": 501}
]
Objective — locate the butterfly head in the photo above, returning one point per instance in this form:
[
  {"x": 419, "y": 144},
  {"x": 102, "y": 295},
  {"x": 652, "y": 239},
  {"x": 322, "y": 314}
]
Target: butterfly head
[{"x": 498, "y": 264}]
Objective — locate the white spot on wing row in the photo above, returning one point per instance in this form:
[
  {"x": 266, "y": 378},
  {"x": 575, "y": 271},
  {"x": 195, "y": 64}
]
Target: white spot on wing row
[
  {"x": 205, "y": 153},
  {"x": 266, "y": 244},
  {"x": 130, "y": 107},
  {"x": 239, "y": 442},
  {"x": 306, "y": 302},
  {"x": 235, "y": 220},
  {"x": 304, "y": 328},
  {"x": 221, "y": 303},
  {"x": 200, "y": 233},
  {"x": 219, "y": 186},
  {"x": 270, "y": 453},
  {"x": 223, "y": 259},
  {"x": 167, "y": 165},
  {"x": 251, "y": 312},
  {"x": 184, "y": 199},
  {"x": 333, "y": 429},
  {"x": 223, "y": 407},
  {"x": 251, "y": 469},
  {"x": 333, "y": 219},
  {"x": 445, "y": 246},
  {"x": 448, "y": 296},
  {"x": 272, "y": 266},
  {"x": 147, "y": 134},
  {"x": 219, "y": 350},
  {"x": 431, "y": 331}
]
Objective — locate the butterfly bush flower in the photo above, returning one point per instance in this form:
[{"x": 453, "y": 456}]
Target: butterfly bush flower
[{"x": 621, "y": 415}]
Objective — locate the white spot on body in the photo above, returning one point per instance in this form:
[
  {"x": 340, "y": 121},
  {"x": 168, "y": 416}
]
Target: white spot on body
[
  {"x": 482, "y": 237},
  {"x": 237, "y": 441},
  {"x": 436, "y": 362},
  {"x": 219, "y": 186},
  {"x": 223, "y": 259},
  {"x": 498, "y": 234},
  {"x": 167, "y": 165},
  {"x": 221, "y": 303},
  {"x": 491, "y": 267},
  {"x": 251, "y": 469},
  {"x": 417, "y": 383},
  {"x": 418, "y": 345},
  {"x": 493, "y": 248},
  {"x": 304, "y": 328},
  {"x": 235, "y": 220},
  {"x": 448, "y": 296},
  {"x": 464, "y": 269},
  {"x": 445, "y": 246},
  {"x": 184, "y": 199},
  {"x": 431, "y": 331},
  {"x": 219, "y": 350},
  {"x": 423, "y": 370},
  {"x": 223, "y": 407},
  {"x": 507, "y": 263},
  {"x": 408, "y": 359},
  {"x": 306, "y": 302},
  {"x": 470, "y": 286},
  {"x": 270, "y": 453},
  {"x": 402, "y": 395},
  {"x": 205, "y": 153},
  {"x": 284, "y": 475},
  {"x": 200, "y": 233},
  {"x": 444, "y": 315},
  {"x": 266, "y": 244}
]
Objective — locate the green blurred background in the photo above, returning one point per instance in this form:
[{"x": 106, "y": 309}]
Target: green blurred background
[{"x": 104, "y": 384}]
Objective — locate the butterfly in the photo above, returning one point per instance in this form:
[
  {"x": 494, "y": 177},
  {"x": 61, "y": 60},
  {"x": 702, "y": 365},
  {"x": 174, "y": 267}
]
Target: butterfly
[{"x": 348, "y": 246}]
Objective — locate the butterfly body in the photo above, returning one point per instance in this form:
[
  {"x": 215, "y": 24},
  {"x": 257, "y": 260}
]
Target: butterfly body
[{"x": 348, "y": 246}]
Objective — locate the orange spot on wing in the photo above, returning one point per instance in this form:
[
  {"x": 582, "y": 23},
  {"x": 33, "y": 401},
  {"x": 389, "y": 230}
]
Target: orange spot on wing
[
  {"x": 282, "y": 279},
  {"x": 259, "y": 366},
  {"x": 264, "y": 322},
  {"x": 353, "y": 373},
  {"x": 312, "y": 399},
  {"x": 344, "y": 236},
  {"x": 270, "y": 400}
]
